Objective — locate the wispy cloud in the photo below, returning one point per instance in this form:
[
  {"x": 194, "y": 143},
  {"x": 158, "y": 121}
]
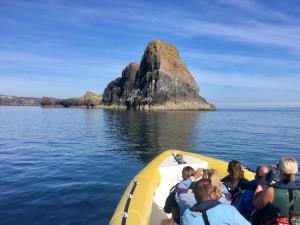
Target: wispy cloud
[
  {"x": 242, "y": 89},
  {"x": 265, "y": 82},
  {"x": 66, "y": 66},
  {"x": 183, "y": 23},
  {"x": 65, "y": 76},
  {"x": 241, "y": 61},
  {"x": 88, "y": 43}
]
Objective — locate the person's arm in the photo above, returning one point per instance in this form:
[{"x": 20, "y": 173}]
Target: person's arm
[
  {"x": 262, "y": 196},
  {"x": 198, "y": 173}
]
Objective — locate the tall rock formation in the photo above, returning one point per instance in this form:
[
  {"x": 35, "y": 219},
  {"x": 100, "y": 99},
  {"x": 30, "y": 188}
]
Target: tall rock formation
[{"x": 161, "y": 81}]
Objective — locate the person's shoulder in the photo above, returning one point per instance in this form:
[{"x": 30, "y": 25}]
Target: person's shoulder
[
  {"x": 245, "y": 179},
  {"x": 226, "y": 178},
  {"x": 225, "y": 207},
  {"x": 188, "y": 214}
]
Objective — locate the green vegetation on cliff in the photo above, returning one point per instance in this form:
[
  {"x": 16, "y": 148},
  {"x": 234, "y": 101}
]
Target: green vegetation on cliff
[{"x": 89, "y": 100}]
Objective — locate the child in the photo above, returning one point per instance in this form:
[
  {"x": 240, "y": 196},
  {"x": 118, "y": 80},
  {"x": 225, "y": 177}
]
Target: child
[{"x": 184, "y": 196}]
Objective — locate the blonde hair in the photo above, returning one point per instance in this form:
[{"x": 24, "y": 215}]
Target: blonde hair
[
  {"x": 215, "y": 180},
  {"x": 288, "y": 167}
]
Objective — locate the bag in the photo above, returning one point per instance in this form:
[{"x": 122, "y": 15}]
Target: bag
[
  {"x": 170, "y": 201},
  {"x": 171, "y": 206}
]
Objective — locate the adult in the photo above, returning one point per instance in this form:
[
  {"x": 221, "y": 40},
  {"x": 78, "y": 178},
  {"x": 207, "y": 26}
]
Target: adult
[
  {"x": 279, "y": 203},
  {"x": 245, "y": 205},
  {"x": 209, "y": 211},
  {"x": 221, "y": 191},
  {"x": 235, "y": 180},
  {"x": 236, "y": 175},
  {"x": 187, "y": 200}
]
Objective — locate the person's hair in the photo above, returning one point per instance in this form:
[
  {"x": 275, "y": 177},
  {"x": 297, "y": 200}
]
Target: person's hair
[
  {"x": 202, "y": 189},
  {"x": 288, "y": 167},
  {"x": 261, "y": 171},
  {"x": 257, "y": 171},
  {"x": 236, "y": 172},
  {"x": 213, "y": 175},
  {"x": 187, "y": 172}
]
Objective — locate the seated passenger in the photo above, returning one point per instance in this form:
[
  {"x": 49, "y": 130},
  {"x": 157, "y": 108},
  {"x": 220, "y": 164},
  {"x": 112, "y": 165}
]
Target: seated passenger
[
  {"x": 235, "y": 179},
  {"x": 187, "y": 200},
  {"x": 222, "y": 192},
  {"x": 171, "y": 203},
  {"x": 279, "y": 203},
  {"x": 189, "y": 175},
  {"x": 245, "y": 205},
  {"x": 236, "y": 175},
  {"x": 208, "y": 210}
]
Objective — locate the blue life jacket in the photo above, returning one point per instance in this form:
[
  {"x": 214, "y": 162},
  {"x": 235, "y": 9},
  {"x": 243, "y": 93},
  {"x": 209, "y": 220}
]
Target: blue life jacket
[{"x": 203, "y": 207}]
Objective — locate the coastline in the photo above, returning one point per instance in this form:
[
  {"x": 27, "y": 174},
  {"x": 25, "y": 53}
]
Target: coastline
[{"x": 165, "y": 107}]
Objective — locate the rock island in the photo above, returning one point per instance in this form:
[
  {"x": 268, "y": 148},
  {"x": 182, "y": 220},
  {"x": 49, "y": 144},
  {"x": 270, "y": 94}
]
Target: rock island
[{"x": 160, "y": 81}]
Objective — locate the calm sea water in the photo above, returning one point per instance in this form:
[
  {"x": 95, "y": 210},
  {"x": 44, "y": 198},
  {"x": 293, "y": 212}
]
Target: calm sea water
[{"x": 71, "y": 166}]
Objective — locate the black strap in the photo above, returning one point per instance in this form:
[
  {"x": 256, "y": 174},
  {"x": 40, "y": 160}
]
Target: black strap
[
  {"x": 205, "y": 218},
  {"x": 125, "y": 213},
  {"x": 204, "y": 206},
  {"x": 291, "y": 205}
]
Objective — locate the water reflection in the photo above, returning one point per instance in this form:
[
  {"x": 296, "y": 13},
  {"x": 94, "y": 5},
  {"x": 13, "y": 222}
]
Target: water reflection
[{"x": 148, "y": 133}]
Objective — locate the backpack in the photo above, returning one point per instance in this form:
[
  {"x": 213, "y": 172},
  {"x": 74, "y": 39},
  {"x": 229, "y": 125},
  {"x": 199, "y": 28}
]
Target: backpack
[{"x": 171, "y": 206}]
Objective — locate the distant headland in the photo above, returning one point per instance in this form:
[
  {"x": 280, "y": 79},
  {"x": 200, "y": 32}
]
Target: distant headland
[{"x": 160, "y": 82}]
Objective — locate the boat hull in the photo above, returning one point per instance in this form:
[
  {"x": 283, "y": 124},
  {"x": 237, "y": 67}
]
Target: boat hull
[{"x": 136, "y": 204}]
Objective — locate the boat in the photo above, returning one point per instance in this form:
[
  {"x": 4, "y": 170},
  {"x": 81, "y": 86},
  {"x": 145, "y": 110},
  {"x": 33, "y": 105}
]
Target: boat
[{"x": 143, "y": 201}]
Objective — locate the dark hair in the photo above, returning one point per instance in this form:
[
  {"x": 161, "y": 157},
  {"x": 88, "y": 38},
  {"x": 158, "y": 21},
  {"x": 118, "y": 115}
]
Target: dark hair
[
  {"x": 236, "y": 172},
  {"x": 202, "y": 189},
  {"x": 187, "y": 172}
]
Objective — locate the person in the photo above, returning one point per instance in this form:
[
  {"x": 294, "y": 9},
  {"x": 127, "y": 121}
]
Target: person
[
  {"x": 236, "y": 175},
  {"x": 279, "y": 203},
  {"x": 184, "y": 196},
  {"x": 222, "y": 192},
  {"x": 189, "y": 175},
  {"x": 209, "y": 211},
  {"x": 245, "y": 205},
  {"x": 187, "y": 200},
  {"x": 234, "y": 180}
]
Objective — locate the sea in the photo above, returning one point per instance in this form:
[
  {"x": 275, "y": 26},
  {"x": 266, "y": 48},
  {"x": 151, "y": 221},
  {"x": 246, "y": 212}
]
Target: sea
[{"x": 71, "y": 166}]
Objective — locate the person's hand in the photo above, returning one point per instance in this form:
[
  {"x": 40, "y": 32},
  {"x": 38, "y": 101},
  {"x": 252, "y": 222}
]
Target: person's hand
[{"x": 198, "y": 173}]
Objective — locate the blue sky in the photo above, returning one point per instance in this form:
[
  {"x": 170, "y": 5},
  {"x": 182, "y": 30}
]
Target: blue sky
[{"x": 241, "y": 53}]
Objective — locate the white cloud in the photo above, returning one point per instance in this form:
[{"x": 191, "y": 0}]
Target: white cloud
[
  {"x": 67, "y": 66},
  {"x": 208, "y": 58},
  {"x": 184, "y": 23},
  {"x": 255, "y": 27}
]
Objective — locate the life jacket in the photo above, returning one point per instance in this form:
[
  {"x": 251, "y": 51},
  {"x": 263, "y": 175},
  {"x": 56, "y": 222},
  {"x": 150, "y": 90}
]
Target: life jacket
[
  {"x": 285, "y": 208},
  {"x": 202, "y": 207}
]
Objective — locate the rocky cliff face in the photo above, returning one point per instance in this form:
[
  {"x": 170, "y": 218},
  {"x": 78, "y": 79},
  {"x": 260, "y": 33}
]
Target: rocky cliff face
[
  {"x": 120, "y": 89},
  {"x": 161, "y": 81},
  {"x": 88, "y": 100},
  {"x": 19, "y": 101}
]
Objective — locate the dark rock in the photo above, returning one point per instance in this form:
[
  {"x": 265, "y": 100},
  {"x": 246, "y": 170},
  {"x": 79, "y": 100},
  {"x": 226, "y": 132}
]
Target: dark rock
[
  {"x": 120, "y": 89},
  {"x": 161, "y": 81},
  {"x": 89, "y": 100}
]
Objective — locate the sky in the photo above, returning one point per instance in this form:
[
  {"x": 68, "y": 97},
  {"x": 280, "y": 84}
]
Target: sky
[{"x": 241, "y": 53}]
